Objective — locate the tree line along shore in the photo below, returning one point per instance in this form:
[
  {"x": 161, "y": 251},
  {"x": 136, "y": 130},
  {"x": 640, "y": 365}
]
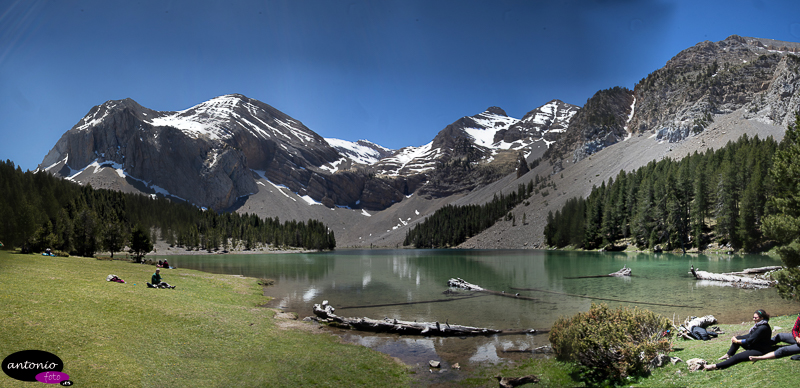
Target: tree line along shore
[{"x": 40, "y": 211}]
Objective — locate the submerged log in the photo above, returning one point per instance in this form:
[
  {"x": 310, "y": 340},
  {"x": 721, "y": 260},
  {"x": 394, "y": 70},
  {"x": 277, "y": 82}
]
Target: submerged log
[
  {"x": 461, "y": 283},
  {"x": 625, "y": 271},
  {"x": 326, "y": 312},
  {"x": 737, "y": 281}
]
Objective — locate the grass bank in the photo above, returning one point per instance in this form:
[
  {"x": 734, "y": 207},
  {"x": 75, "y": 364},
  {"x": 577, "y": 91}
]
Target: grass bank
[
  {"x": 781, "y": 373},
  {"x": 208, "y": 332}
]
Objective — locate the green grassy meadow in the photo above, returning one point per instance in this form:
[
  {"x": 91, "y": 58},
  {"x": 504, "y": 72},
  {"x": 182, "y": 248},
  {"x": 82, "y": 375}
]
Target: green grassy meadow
[{"x": 208, "y": 332}]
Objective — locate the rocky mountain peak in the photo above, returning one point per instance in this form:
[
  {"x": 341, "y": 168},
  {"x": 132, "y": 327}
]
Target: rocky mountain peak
[
  {"x": 496, "y": 111},
  {"x": 599, "y": 124},
  {"x": 543, "y": 124},
  {"x": 713, "y": 78}
]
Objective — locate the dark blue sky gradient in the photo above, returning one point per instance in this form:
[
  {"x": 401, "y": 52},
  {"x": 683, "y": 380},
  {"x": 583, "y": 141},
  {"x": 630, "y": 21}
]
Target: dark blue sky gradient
[{"x": 393, "y": 72}]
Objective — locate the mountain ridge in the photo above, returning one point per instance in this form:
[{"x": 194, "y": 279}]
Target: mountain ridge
[{"x": 244, "y": 165}]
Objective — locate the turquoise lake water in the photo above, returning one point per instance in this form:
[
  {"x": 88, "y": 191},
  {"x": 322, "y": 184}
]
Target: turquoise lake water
[{"x": 392, "y": 283}]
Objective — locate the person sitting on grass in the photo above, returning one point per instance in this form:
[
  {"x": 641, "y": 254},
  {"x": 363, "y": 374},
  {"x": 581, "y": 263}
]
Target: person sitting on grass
[
  {"x": 156, "y": 281},
  {"x": 793, "y": 339},
  {"x": 756, "y": 343}
]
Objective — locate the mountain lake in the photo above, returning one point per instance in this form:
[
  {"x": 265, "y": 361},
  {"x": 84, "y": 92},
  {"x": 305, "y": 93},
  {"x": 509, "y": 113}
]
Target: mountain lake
[{"x": 408, "y": 284}]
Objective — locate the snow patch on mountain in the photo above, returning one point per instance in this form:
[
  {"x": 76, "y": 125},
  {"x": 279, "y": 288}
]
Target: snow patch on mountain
[
  {"x": 630, "y": 117},
  {"x": 487, "y": 126},
  {"x": 362, "y": 151},
  {"x": 213, "y": 119},
  {"x": 414, "y": 159},
  {"x": 92, "y": 119}
]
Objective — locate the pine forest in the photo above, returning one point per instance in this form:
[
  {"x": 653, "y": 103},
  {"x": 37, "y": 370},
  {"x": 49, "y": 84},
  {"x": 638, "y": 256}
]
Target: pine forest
[
  {"x": 40, "y": 211},
  {"x": 719, "y": 196}
]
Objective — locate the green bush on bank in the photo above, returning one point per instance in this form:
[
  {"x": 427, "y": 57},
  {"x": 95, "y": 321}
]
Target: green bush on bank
[{"x": 611, "y": 345}]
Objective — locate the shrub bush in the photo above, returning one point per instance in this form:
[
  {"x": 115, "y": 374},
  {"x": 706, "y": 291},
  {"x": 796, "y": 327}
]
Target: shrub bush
[{"x": 611, "y": 345}]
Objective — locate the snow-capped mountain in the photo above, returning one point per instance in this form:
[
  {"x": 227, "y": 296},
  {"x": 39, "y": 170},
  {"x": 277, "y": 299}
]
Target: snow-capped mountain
[
  {"x": 362, "y": 152},
  {"x": 204, "y": 154},
  {"x": 207, "y": 154},
  {"x": 541, "y": 124},
  {"x": 480, "y": 138}
]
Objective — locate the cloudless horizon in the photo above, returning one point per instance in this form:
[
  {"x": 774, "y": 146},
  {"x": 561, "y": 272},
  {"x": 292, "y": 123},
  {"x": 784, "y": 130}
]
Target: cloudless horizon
[{"x": 392, "y": 72}]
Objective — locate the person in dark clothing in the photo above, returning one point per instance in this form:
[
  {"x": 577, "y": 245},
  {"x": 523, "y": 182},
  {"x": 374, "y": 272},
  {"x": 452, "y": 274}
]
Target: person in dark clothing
[
  {"x": 793, "y": 339},
  {"x": 756, "y": 343},
  {"x": 156, "y": 282}
]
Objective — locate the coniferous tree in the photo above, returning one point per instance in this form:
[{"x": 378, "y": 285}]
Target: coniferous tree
[
  {"x": 114, "y": 237},
  {"x": 699, "y": 207},
  {"x": 727, "y": 201},
  {"x": 86, "y": 232},
  {"x": 784, "y": 224},
  {"x": 140, "y": 243},
  {"x": 748, "y": 230},
  {"x": 593, "y": 236}
]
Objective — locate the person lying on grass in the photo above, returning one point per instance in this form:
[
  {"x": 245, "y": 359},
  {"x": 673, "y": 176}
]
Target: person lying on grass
[
  {"x": 155, "y": 281},
  {"x": 792, "y": 339},
  {"x": 756, "y": 343}
]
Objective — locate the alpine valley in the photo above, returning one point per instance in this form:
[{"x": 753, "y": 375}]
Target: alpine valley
[{"x": 234, "y": 153}]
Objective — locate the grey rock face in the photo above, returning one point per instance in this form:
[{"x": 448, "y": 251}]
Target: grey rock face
[
  {"x": 682, "y": 98},
  {"x": 599, "y": 124},
  {"x": 713, "y": 78},
  {"x": 206, "y": 172},
  {"x": 206, "y": 154}
]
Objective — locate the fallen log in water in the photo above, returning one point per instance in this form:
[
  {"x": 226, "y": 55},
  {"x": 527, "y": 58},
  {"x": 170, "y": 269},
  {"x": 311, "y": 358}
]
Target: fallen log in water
[
  {"x": 625, "y": 271},
  {"x": 737, "y": 281},
  {"x": 410, "y": 303},
  {"x": 461, "y": 283},
  {"x": 755, "y": 271},
  {"x": 326, "y": 312},
  {"x": 599, "y": 298}
]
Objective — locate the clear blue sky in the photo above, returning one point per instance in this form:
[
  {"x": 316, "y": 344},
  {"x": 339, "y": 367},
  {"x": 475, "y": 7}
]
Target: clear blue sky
[{"x": 393, "y": 72}]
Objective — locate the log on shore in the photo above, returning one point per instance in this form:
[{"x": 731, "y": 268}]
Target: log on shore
[
  {"x": 511, "y": 382},
  {"x": 737, "y": 281},
  {"x": 326, "y": 312}
]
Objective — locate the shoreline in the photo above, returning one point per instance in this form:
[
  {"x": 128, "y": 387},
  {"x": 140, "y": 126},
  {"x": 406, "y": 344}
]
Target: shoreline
[{"x": 161, "y": 248}]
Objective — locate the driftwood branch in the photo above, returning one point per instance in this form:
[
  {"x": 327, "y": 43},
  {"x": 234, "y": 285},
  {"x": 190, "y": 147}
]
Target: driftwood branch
[
  {"x": 325, "y": 312},
  {"x": 736, "y": 281}
]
